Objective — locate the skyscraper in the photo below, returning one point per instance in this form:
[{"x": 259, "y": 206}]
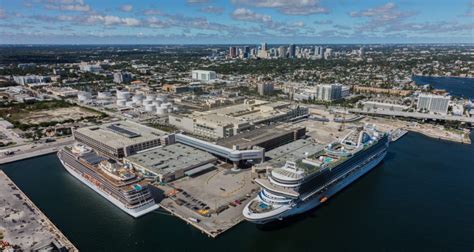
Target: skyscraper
[
  {"x": 264, "y": 46},
  {"x": 282, "y": 52},
  {"x": 292, "y": 51},
  {"x": 232, "y": 52}
]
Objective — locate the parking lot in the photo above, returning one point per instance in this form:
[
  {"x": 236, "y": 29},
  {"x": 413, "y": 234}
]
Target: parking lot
[{"x": 212, "y": 202}]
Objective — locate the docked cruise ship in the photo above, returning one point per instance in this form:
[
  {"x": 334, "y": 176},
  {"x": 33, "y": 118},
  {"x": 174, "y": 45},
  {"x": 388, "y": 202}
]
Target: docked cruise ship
[
  {"x": 304, "y": 184},
  {"x": 114, "y": 182}
]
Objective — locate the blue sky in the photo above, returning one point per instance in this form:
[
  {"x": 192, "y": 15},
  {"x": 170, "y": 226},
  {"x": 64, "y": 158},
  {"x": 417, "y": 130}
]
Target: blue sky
[{"x": 235, "y": 21}]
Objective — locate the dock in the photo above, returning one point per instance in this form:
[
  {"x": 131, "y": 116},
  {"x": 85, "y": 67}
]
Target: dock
[
  {"x": 397, "y": 134},
  {"x": 27, "y": 151},
  {"x": 23, "y": 225},
  {"x": 212, "y": 203}
]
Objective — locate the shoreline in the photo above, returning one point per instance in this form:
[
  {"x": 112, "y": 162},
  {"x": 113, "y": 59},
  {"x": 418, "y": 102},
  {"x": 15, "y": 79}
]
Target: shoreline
[
  {"x": 443, "y": 76},
  {"x": 42, "y": 231}
]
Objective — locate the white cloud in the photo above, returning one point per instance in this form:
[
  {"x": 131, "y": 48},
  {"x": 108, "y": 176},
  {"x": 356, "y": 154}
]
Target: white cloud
[
  {"x": 151, "y": 12},
  {"x": 248, "y": 15},
  {"x": 290, "y": 7},
  {"x": 212, "y": 9},
  {"x": 111, "y": 20},
  {"x": 126, "y": 7},
  {"x": 67, "y": 5},
  {"x": 197, "y": 1}
]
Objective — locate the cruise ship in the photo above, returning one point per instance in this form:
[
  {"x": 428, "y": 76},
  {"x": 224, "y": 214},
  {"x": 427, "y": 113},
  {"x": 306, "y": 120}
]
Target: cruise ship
[
  {"x": 304, "y": 184},
  {"x": 116, "y": 183}
]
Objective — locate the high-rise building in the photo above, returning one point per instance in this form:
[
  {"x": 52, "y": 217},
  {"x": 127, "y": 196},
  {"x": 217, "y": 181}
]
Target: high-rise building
[
  {"x": 122, "y": 77},
  {"x": 265, "y": 88},
  {"x": 292, "y": 51},
  {"x": 232, "y": 52},
  {"x": 329, "y": 92},
  {"x": 282, "y": 52},
  {"x": 318, "y": 51},
  {"x": 264, "y": 46},
  {"x": 203, "y": 75},
  {"x": 327, "y": 53},
  {"x": 433, "y": 103}
]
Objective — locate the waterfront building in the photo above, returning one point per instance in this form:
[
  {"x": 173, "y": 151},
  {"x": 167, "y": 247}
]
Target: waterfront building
[
  {"x": 433, "y": 103},
  {"x": 232, "y": 120},
  {"x": 121, "y": 139},
  {"x": 171, "y": 162},
  {"x": 384, "y": 106},
  {"x": 203, "y": 75}
]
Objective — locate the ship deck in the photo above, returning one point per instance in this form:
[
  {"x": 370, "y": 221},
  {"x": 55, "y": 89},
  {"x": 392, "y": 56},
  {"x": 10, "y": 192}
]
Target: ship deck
[{"x": 269, "y": 186}]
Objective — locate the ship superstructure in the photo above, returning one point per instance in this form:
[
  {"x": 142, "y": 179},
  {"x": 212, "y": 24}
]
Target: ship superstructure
[
  {"x": 115, "y": 182},
  {"x": 301, "y": 185}
]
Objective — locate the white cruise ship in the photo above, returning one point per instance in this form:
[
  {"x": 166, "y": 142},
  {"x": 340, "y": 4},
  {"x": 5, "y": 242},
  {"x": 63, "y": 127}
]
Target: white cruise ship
[
  {"x": 117, "y": 184},
  {"x": 304, "y": 184}
]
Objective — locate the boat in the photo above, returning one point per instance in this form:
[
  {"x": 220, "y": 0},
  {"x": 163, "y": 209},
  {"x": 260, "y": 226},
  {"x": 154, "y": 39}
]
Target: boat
[
  {"x": 301, "y": 185},
  {"x": 116, "y": 183}
]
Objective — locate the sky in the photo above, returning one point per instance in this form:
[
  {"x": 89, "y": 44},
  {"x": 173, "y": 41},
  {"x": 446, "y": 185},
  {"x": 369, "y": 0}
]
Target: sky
[{"x": 235, "y": 21}]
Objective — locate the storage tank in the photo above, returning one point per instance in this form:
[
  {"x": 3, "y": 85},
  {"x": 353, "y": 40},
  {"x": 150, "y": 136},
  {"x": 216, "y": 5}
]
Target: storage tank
[
  {"x": 150, "y": 107},
  {"x": 123, "y": 95},
  {"x": 161, "y": 111},
  {"x": 84, "y": 96},
  {"x": 103, "y": 95},
  {"x": 147, "y": 102},
  {"x": 138, "y": 98},
  {"x": 150, "y": 97},
  {"x": 130, "y": 104},
  {"x": 157, "y": 103},
  {"x": 167, "y": 105},
  {"x": 162, "y": 98},
  {"x": 121, "y": 103}
]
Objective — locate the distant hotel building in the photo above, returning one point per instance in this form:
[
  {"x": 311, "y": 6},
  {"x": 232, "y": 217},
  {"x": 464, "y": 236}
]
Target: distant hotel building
[
  {"x": 202, "y": 75},
  {"x": 329, "y": 92},
  {"x": 121, "y": 139},
  {"x": 433, "y": 103}
]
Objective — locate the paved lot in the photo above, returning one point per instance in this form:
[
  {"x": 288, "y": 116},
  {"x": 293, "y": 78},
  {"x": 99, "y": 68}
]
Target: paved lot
[
  {"x": 23, "y": 223},
  {"x": 209, "y": 193}
]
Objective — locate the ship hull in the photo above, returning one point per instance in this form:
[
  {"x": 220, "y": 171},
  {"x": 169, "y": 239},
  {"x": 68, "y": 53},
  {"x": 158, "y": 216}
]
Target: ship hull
[
  {"x": 135, "y": 212},
  {"x": 304, "y": 206}
]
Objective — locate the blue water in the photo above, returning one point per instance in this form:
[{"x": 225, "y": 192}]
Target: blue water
[
  {"x": 420, "y": 198},
  {"x": 461, "y": 87}
]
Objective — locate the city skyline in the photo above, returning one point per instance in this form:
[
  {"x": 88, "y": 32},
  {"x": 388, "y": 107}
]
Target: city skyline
[{"x": 235, "y": 22}]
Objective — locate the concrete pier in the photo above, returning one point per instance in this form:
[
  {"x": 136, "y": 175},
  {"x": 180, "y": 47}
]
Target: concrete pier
[
  {"x": 23, "y": 225},
  {"x": 31, "y": 151}
]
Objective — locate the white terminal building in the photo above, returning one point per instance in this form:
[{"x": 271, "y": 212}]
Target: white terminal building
[
  {"x": 203, "y": 75},
  {"x": 433, "y": 103},
  {"x": 121, "y": 139},
  {"x": 232, "y": 120}
]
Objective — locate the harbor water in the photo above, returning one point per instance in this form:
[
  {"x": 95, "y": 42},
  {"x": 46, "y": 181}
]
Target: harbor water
[
  {"x": 420, "y": 198},
  {"x": 460, "y": 87}
]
